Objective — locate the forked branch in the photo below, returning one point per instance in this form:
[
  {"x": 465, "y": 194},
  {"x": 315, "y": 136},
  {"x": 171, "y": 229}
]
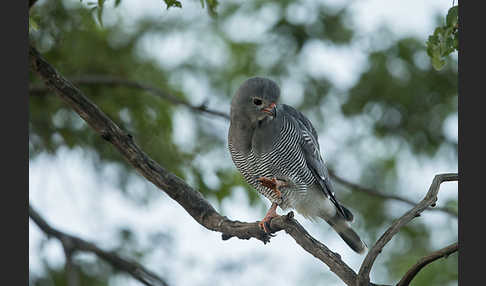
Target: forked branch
[
  {"x": 71, "y": 244},
  {"x": 430, "y": 198},
  {"x": 444, "y": 252}
]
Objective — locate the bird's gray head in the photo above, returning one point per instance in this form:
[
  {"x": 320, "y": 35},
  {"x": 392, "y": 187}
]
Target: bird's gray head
[{"x": 256, "y": 100}]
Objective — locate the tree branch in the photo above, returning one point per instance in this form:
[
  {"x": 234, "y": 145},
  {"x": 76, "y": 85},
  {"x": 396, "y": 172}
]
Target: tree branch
[
  {"x": 384, "y": 196},
  {"x": 191, "y": 200},
  {"x": 114, "y": 81},
  {"x": 72, "y": 276},
  {"x": 429, "y": 199},
  {"x": 71, "y": 243},
  {"x": 444, "y": 252}
]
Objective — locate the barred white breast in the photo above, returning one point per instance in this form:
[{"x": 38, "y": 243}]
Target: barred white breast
[{"x": 284, "y": 161}]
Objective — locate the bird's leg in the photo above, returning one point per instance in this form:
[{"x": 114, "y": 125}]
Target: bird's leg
[
  {"x": 274, "y": 185},
  {"x": 272, "y": 212}
]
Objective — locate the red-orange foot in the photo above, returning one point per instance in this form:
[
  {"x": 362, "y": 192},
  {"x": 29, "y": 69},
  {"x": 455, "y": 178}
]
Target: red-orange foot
[{"x": 272, "y": 212}]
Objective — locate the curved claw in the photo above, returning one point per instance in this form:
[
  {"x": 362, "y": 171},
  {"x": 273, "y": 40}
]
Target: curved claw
[
  {"x": 265, "y": 226},
  {"x": 265, "y": 222}
]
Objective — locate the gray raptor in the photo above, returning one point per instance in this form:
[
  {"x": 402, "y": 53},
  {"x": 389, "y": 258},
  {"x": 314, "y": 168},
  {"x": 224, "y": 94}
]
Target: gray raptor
[{"x": 276, "y": 149}]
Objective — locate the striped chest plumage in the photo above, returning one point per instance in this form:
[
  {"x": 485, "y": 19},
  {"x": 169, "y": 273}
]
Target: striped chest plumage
[{"x": 283, "y": 159}]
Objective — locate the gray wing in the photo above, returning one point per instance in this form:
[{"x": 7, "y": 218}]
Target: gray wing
[{"x": 310, "y": 146}]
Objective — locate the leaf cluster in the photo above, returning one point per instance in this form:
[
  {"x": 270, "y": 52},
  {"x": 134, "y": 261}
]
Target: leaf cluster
[{"x": 445, "y": 39}]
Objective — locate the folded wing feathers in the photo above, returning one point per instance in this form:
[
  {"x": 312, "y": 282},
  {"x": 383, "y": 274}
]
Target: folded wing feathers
[{"x": 313, "y": 156}]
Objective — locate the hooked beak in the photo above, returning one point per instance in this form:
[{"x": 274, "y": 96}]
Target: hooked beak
[{"x": 271, "y": 109}]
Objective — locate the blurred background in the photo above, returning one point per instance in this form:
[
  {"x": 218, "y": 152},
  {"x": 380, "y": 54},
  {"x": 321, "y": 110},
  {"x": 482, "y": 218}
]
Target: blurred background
[{"x": 387, "y": 121}]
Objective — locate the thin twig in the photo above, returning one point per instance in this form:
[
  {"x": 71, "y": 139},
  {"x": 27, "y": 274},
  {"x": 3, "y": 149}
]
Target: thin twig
[
  {"x": 444, "y": 252},
  {"x": 71, "y": 271},
  {"x": 114, "y": 81},
  {"x": 382, "y": 195},
  {"x": 429, "y": 199},
  {"x": 72, "y": 243}
]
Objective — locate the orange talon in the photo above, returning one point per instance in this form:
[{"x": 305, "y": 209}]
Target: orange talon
[
  {"x": 272, "y": 184},
  {"x": 272, "y": 212}
]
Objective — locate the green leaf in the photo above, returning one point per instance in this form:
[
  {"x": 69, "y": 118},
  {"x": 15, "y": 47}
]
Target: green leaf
[
  {"x": 117, "y": 2},
  {"x": 437, "y": 62},
  {"x": 432, "y": 44},
  {"x": 32, "y": 24},
  {"x": 212, "y": 5},
  {"x": 452, "y": 17},
  {"x": 173, "y": 3},
  {"x": 450, "y": 45},
  {"x": 100, "y": 11},
  {"x": 440, "y": 44},
  {"x": 100, "y": 14}
]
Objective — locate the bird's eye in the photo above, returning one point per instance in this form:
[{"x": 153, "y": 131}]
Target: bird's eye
[{"x": 257, "y": 101}]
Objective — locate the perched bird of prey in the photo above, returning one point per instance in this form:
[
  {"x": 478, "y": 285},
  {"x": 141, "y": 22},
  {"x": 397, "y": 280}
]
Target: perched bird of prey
[{"x": 276, "y": 149}]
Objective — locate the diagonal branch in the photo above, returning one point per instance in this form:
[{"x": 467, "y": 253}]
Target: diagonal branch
[
  {"x": 115, "y": 81},
  {"x": 444, "y": 252},
  {"x": 191, "y": 200},
  {"x": 430, "y": 198},
  {"x": 71, "y": 243}
]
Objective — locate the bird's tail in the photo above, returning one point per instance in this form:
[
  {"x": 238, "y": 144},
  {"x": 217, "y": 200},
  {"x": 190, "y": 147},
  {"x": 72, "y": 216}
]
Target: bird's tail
[{"x": 343, "y": 228}]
